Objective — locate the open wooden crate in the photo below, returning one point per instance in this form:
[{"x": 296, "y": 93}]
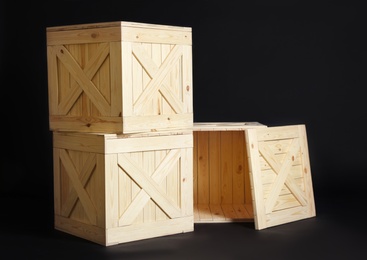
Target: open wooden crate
[{"x": 250, "y": 172}]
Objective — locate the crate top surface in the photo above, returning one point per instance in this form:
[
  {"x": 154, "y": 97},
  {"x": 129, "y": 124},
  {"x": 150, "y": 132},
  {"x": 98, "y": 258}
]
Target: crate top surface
[
  {"x": 122, "y": 24},
  {"x": 226, "y": 126}
]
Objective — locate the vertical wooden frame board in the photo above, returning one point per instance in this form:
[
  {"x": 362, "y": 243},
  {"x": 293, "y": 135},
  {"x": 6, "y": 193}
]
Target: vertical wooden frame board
[{"x": 280, "y": 175}]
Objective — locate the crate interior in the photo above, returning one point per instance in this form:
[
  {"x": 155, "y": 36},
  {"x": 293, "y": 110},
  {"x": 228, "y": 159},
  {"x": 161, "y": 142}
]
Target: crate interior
[{"x": 222, "y": 190}]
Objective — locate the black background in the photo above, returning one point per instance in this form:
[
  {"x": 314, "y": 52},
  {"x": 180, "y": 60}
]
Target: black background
[{"x": 274, "y": 62}]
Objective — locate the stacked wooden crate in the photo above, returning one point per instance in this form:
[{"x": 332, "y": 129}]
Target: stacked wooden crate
[
  {"x": 121, "y": 112},
  {"x": 130, "y": 164}
]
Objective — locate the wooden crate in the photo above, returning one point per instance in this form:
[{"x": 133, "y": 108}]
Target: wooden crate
[
  {"x": 119, "y": 77},
  {"x": 113, "y": 189},
  {"x": 250, "y": 172}
]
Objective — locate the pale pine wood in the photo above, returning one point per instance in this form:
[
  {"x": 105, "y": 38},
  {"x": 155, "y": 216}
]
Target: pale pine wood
[
  {"x": 203, "y": 169},
  {"x": 100, "y": 192},
  {"x": 227, "y": 172},
  {"x": 214, "y": 166},
  {"x": 142, "y": 231},
  {"x": 119, "y": 78},
  {"x": 222, "y": 190},
  {"x": 282, "y": 187},
  {"x": 223, "y": 213}
]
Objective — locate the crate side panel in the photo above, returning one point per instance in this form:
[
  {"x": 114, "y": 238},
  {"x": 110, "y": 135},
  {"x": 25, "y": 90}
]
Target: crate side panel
[
  {"x": 151, "y": 185},
  {"x": 81, "y": 187}
]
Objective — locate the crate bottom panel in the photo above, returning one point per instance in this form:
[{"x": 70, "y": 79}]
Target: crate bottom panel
[
  {"x": 117, "y": 235},
  {"x": 216, "y": 213}
]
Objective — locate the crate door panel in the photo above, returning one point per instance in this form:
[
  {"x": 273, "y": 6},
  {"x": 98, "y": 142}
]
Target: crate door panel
[
  {"x": 280, "y": 175},
  {"x": 157, "y": 86},
  {"x": 150, "y": 186}
]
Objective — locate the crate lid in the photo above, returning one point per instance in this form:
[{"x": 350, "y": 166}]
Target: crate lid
[{"x": 117, "y": 24}]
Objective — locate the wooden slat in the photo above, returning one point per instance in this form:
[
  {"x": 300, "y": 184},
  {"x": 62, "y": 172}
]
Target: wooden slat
[
  {"x": 112, "y": 191},
  {"x": 116, "y": 77},
  {"x": 308, "y": 187},
  {"x": 187, "y": 80},
  {"x": 214, "y": 166},
  {"x": 186, "y": 192},
  {"x": 226, "y": 167},
  {"x": 83, "y": 36},
  {"x": 255, "y": 178},
  {"x": 203, "y": 168},
  {"x": 238, "y": 146},
  {"x": 217, "y": 212}
]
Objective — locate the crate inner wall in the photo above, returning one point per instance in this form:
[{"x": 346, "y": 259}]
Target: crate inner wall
[{"x": 222, "y": 189}]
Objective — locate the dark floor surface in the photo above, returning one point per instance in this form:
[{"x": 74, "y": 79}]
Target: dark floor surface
[{"x": 337, "y": 232}]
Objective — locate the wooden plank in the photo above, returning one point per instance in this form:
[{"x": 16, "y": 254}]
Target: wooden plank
[
  {"x": 229, "y": 212},
  {"x": 79, "y": 229},
  {"x": 203, "y": 168},
  {"x": 159, "y": 155},
  {"x": 278, "y": 132},
  {"x": 214, "y": 167},
  {"x": 186, "y": 191},
  {"x": 111, "y": 191},
  {"x": 255, "y": 179},
  {"x": 195, "y": 168},
  {"x": 136, "y": 205},
  {"x": 154, "y": 123},
  {"x": 57, "y": 181},
  {"x": 95, "y": 35},
  {"x": 127, "y": 80},
  {"x": 85, "y": 124},
  {"x": 149, "y": 230},
  {"x": 149, "y": 167},
  {"x": 238, "y": 147},
  {"x": 116, "y": 81},
  {"x": 187, "y": 79},
  {"x": 226, "y": 126},
  {"x": 241, "y": 211},
  {"x": 53, "y": 84},
  {"x": 226, "y": 167},
  {"x": 217, "y": 213},
  {"x": 308, "y": 187},
  {"x": 150, "y": 143},
  {"x": 130, "y": 34},
  {"x": 204, "y": 212}
]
